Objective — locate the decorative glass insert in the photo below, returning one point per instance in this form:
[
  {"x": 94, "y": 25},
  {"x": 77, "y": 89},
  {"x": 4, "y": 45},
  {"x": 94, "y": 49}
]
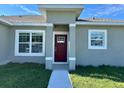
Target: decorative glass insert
[{"x": 60, "y": 39}]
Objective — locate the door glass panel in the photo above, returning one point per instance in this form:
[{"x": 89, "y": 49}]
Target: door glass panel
[{"x": 60, "y": 39}]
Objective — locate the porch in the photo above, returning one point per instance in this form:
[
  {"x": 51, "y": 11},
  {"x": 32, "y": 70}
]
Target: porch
[{"x": 60, "y": 46}]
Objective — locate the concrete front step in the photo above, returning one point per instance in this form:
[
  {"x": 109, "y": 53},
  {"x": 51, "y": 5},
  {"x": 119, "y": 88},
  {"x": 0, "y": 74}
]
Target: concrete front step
[{"x": 60, "y": 67}]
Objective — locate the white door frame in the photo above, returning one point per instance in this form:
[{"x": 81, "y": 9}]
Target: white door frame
[{"x": 59, "y": 33}]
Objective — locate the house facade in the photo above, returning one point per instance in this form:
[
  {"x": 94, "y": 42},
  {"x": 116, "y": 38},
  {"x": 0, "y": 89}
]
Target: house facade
[{"x": 58, "y": 38}]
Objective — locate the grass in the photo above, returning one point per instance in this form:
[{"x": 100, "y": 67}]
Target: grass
[
  {"x": 27, "y": 75},
  {"x": 98, "y": 77}
]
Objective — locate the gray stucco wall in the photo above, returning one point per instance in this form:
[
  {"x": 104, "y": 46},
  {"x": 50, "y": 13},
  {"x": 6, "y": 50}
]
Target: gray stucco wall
[
  {"x": 61, "y": 17},
  {"x": 61, "y": 28},
  {"x": 114, "y": 55},
  {"x": 22, "y": 59},
  {"x": 4, "y": 44}
]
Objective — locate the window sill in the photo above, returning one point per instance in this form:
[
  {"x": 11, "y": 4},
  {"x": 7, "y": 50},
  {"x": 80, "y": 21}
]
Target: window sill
[
  {"x": 26, "y": 54},
  {"x": 102, "y": 48}
]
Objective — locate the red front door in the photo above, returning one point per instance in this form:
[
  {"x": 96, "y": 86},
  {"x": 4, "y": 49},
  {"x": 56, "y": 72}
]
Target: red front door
[{"x": 60, "y": 48}]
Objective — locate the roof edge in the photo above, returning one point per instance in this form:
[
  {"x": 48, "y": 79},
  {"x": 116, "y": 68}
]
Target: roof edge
[
  {"x": 47, "y": 6},
  {"x": 32, "y": 24},
  {"x": 5, "y": 22},
  {"x": 101, "y": 23},
  {"x": 77, "y": 23}
]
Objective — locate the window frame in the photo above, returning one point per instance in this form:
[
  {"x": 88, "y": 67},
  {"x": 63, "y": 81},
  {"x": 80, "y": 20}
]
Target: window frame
[
  {"x": 89, "y": 39},
  {"x": 30, "y": 43}
]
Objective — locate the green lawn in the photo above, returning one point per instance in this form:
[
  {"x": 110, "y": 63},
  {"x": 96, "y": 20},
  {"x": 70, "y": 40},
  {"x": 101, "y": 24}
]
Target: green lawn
[
  {"x": 27, "y": 75},
  {"x": 98, "y": 77}
]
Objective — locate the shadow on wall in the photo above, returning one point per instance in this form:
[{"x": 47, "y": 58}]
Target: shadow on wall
[{"x": 101, "y": 72}]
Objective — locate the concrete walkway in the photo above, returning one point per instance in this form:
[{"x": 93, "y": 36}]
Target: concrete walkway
[{"x": 60, "y": 79}]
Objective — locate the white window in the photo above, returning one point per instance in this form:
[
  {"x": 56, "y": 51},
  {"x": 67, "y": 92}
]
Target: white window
[
  {"x": 29, "y": 43},
  {"x": 97, "y": 39}
]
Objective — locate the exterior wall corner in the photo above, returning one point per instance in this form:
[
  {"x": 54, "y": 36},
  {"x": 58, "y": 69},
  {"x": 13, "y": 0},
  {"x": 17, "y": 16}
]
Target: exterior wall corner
[
  {"x": 49, "y": 46},
  {"x": 72, "y": 46}
]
